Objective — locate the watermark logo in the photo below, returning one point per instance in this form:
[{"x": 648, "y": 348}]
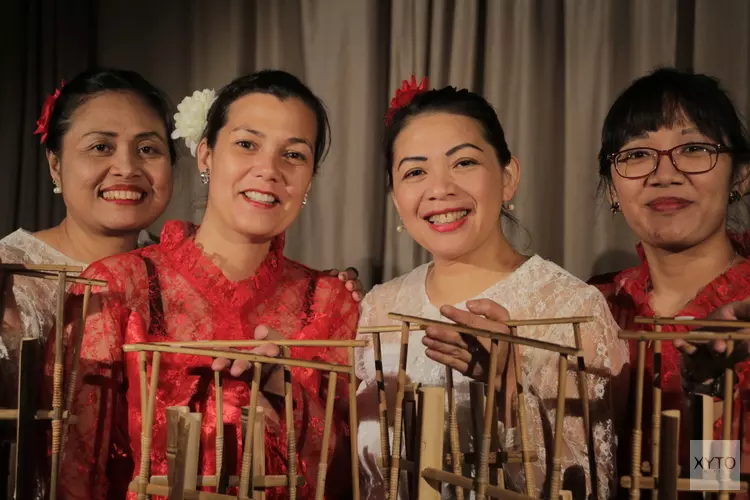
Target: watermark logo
[{"x": 714, "y": 465}]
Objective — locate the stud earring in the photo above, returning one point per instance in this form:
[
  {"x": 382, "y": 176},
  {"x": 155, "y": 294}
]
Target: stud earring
[
  {"x": 615, "y": 207},
  {"x": 734, "y": 196},
  {"x": 57, "y": 189},
  {"x": 400, "y": 227},
  {"x": 304, "y": 200},
  {"x": 205, "y": 176},
  {"x": 509, "y": 206}
]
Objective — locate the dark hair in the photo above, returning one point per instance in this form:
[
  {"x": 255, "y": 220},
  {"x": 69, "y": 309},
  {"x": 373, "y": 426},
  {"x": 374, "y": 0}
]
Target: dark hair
[
  {"x": 448, "y": 100},
  {"x": 93, "y": 82},
  {"x": 664, "y": 98},
  {"x": 279, "y": 84}
]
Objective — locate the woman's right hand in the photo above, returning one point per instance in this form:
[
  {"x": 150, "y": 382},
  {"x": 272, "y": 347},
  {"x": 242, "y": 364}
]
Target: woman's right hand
[{"x": 273, "y": 375}]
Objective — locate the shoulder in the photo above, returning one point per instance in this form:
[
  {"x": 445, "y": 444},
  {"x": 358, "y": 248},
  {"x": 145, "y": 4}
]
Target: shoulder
[
  {"x": 22, "y": 246},
  {"x": 119, "y": 271},
  {"x": 324, "y": 289},
  {"x": 401, "y": 290},
  {"x": 561, "y": 287}
]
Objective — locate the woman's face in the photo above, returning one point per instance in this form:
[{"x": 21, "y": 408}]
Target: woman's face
[
  {"x": 114, "y": 168},
  {"x": 670, "y": 209},
  {"x": 261, "y": 166},
  {"x": 448, "y": 184}
]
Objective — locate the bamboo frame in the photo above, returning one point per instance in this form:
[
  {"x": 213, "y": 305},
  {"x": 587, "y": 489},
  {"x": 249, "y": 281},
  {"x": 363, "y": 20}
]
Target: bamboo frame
[
  {"x": 431, "y": 477},
  {"x": 62, "y": 398},
  {"x": 183, "y": 479},
  {"x": 663, "y": 482}
]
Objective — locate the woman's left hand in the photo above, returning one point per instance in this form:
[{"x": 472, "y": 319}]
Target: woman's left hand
[
  {"x": 464, "y": 353},
  {"x": 238, "y": 367},
  {"x": 350, "y": 277}
]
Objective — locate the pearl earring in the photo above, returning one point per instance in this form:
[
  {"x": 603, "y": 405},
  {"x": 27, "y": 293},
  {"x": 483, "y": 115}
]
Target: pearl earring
[
  {"x": 57, "y": 189},
  {"x": 400, "y": 227},
  {"x": 304, "y": 200},
  {"x": 206, "y": 176}
]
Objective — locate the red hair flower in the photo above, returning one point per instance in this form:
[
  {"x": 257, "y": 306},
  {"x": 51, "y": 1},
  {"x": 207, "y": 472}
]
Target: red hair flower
[
  {"x": 42, "y": 124},
  {"x": 408, "y": 91}
]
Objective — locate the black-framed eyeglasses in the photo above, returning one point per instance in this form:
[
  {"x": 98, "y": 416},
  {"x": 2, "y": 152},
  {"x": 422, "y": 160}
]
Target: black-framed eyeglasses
[{"x": 690, "y": 158}]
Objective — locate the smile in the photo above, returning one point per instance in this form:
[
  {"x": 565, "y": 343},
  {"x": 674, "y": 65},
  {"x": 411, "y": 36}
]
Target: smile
[
  {"x": 445, "y": 222},
  {"x": 260, "y": 199},
  {"x": 123, "y": 195}
]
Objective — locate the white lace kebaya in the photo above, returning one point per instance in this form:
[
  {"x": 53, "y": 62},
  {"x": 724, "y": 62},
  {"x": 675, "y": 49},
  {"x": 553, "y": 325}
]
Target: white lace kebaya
[{"x": 537, "y": 289}]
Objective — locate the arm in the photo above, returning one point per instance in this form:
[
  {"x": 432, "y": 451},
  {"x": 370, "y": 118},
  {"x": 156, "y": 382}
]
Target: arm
[{"x": 99, "y": 401}]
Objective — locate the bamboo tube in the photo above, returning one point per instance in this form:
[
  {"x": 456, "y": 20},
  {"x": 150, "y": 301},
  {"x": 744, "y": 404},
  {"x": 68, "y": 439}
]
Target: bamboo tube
[
  {"x": 193, "y": 421},
  {"x": 635, "y": 492},
  {"x": 382, "y": 406},
  {"x": 259, "y": 453},
  {"x": 453, "y": 429},
  {"x": 253, "y": 358},
  {"x": 247, "y": 453},
  {"x": 411, "y": 440},
  {"x": 143, "y": 362},
  {"x": 432, "y": 428},
  {"x": 353, "y": 423},
  {"x": 177, "y": 485},
  {"x": 147, "y": 426},
  {"x": 683, "y": 484},
  {"x": 327, "y": 424},
  {"x": 75, "y": 362},
  {"x": 219, "y": 396},
  {"x": 583, "y": 393},
  {"x": 377, "y": 329},
  {"x": 528, "y": 470},
  {"x": 57, "y": 380},
  {"x": 438, "y": 476},
  {"x": 211, "y": 344},
  {"x": 477, "y": 332},
  {"x": 656, "y": 416},
  {"x": 556, "y": 480},
  {"x": 695, "y": 336},
  {"x": 726, "y": 431},
  {"x": 173, "y": 437},
  {"x": 291, "y": 440},
  {"x": 395, "y": 473},
  {"x": 483, "y": 467},
  {"x": 667, "y": 480},
  {"x": 511, "y": 322}
]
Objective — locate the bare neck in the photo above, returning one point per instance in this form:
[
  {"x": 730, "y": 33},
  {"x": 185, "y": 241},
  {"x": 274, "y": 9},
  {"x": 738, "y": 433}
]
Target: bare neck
[
  {"x": 451, "y": 281},
  {"x": 83, "y": 245},
  {"x": 677, "y": 277},
  {"x": 237, "y": 257}
]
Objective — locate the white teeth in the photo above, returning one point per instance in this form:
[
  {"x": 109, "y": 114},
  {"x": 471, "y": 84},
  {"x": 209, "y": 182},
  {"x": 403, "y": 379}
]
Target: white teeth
[
  {"x": 261, "y": 197},
  {"x": 122, "y": 195},
  {"x": 448, "y": 217}
]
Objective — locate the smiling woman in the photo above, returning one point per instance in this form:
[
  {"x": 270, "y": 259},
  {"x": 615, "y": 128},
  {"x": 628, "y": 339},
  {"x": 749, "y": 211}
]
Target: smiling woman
[
  {"x": 452, "y": 177},
  {"x": 260, "y": 146}
]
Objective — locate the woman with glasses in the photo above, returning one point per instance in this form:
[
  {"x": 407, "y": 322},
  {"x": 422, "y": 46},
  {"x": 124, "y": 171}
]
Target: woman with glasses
[{"x": 674, "y": 162}]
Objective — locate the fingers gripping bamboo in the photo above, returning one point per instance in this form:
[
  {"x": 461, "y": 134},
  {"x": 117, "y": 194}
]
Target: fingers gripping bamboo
[
  {"x": 323, "y": 464},
  {"x": 528, "y": 470},
  {"x": 247, "y": 452},
  {"x": 398, "y": 414}
]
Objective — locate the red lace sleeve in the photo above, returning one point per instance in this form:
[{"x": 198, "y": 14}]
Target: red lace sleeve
[
  {"x": 91, "y": 461},
  {"x": 334, "y": 315}
]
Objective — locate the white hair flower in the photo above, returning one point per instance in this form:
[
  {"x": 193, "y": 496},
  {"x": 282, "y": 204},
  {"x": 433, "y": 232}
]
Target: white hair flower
[{"x": 190, "y": 120}]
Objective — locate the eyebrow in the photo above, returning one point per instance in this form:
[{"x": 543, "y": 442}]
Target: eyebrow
[
  {"x": 411, "y": 158},
  {"x": 142, "y": 135},
  {"x": 291, "y": 140},
  {"x": 691, "y": 130},
  {"x": 455, "y": 149}
]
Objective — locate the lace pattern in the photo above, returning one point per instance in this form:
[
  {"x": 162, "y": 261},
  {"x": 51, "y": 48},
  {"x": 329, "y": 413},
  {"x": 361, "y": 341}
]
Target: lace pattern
[{"x": 537, "y": 289}]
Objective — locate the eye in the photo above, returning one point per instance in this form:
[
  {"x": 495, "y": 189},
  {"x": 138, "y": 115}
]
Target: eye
[
  {"x": 696, "y": 148},
  {"x": 149, "y": 150},
  {"x": 467, "y": 162},
  {"x": 636, "y": 154},
  {"x": 295, "y": 156},
  {"x": 247, "y": 144},
  {"x": 101, "y": 148},
  {"x": 413, "y": 173}
]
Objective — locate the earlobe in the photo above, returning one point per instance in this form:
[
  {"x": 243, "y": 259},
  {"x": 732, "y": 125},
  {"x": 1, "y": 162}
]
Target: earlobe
[
  {"x": 512, "y": 178},
  {"x": 203, "y": 156},
  {"x": 54, "y": 166}
]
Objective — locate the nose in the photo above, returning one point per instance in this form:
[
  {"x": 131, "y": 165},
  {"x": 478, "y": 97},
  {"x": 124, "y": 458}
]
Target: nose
[
  {"x": 442, "y": 186},
  {"x": 666, "y": 173},
  {"x": 266, "y": 167},
  {"x": 126, "y": 163}
]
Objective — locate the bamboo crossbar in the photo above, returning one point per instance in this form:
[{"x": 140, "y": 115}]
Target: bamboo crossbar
[
  {"x": 683, "y": 484},
  {"x": 53, "y": 276},
  {"x": 266, "y": 481},
  {"x": 573, "y": 320},
  {"x": 55, "y": 268},
  {"x": 708, "y": 323},
  {"x": 236, "y": 355},
  {"x": 6, "y": 414},
  {"x": 210, "y": 344},
  {"x": 691, "y": 336},
  {"x": 468, "y": 483},
  {"x": 504, "y": 337}
]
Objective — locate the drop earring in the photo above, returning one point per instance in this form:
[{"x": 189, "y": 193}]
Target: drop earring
[
  {"x": 400, "y": 227},
  {"x": 57, "y": 189},
  {"x": 304, "y": 200},
  {"x": 205, "y": 176},
  {"x": 615, "y": 208},
  {"x": 734, "y": 196}
]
